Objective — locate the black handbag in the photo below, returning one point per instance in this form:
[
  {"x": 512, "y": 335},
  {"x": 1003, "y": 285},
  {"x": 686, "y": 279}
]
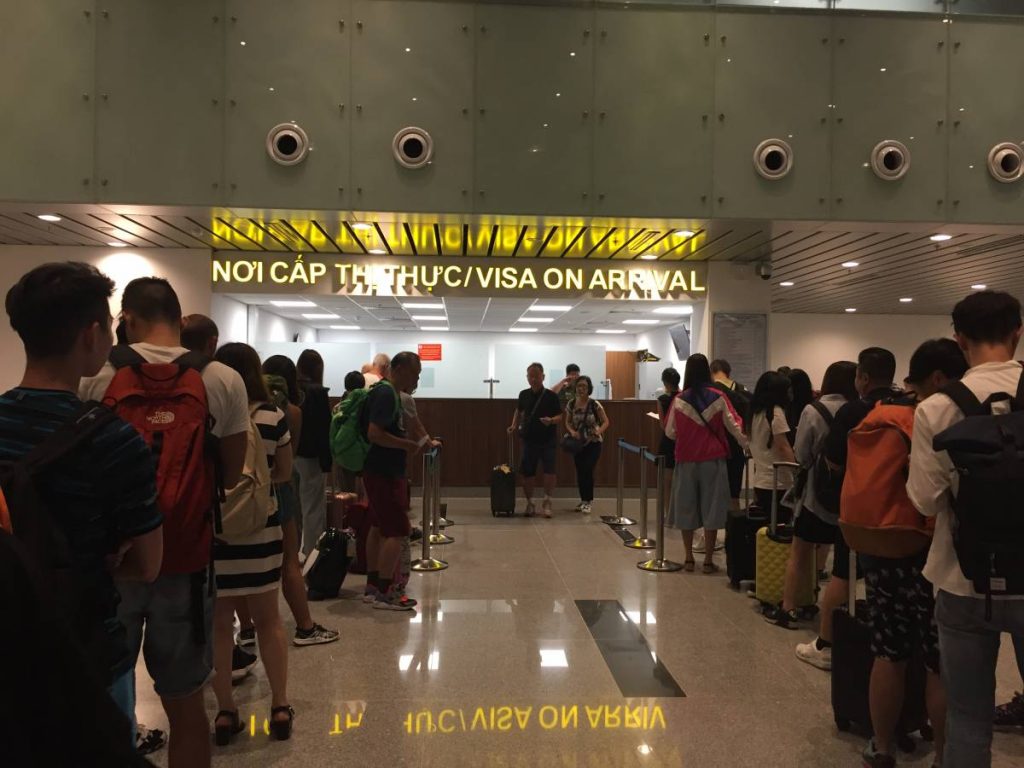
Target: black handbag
[{"x": 572, "y": 444}]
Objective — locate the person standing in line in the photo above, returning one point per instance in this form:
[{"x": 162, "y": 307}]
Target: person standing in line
[
  {"x": 377, "y": 370},
  {"x": 313, "y": 455},
  {"x": 987, "y": 326},
  {"x": 721, "y": 373},
  {"x": 249, "y": 567},
  {"x": 667, "y": 447},
  {"x": 699, "y": 419},
  {"x": 566, "y": 388},
  {"x": 200, "y": 334},
  {"x": 735, "y": 464},
  {"x": 801, "y": 394},
  {"x": 586, "y": 420},
  {"x": 536, "y": 420},
  {"x": 768, "y": 443}
]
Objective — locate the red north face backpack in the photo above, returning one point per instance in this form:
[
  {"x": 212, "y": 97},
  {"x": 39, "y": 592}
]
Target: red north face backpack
[{"x": 166, "y": 403}]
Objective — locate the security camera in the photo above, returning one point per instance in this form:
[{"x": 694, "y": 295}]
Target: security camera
[{"x": 764, "y": 270}]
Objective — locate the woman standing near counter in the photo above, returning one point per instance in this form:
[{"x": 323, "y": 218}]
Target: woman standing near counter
[{"x": 586, "y": 422}]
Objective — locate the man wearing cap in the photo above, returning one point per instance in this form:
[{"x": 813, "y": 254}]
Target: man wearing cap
[{"x": 901, "y": 606}]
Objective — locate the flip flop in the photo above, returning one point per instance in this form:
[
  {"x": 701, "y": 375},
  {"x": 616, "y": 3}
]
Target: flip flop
[
  {"x": 689, "y": 566},
  {"x": 710, "y": 568}
]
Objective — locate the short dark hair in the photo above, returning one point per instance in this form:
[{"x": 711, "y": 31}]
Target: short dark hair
[
  {"x": 538, "y": 366},
  {"x": 943, "y": 355},
  {"x": 404, "y": 360},
  {"x": 197, "y": 331},
  {"x": 878, "y": 364},
  {"x": 987, "y": 316},
  {"x": 53, "y": 303},
  {"x": 354, "y": 380},
  {"x": 571, "y": 368},
  {"x": 670, "y": 376},
  {"x": 839, "y": 380},
  {"x": 721, "y": 366},
  {"x": 153, "y": 300},
  {"x": 310, "y": 366},
  {"x": 589, "y": 382},
  {"x": 246, "y": 361},
  {"x": 279, "y": 365}
]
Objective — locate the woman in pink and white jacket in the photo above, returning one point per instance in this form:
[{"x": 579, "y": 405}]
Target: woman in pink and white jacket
[{"x": 697, "y": 421}]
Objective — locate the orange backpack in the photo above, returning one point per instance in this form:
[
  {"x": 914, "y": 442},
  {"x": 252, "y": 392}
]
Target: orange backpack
[{"x": 875, "y": 514}]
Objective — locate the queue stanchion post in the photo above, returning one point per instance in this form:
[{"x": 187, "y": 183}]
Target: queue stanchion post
[
  {"x": 442, "y": 521},
  {"x": 426, "y": 563},
  {"x": 659, "y": 564},
  {"x": 642, "y": 541},
  {"x": 618, "y": 519},
  {"x": 436, "y": 536}
]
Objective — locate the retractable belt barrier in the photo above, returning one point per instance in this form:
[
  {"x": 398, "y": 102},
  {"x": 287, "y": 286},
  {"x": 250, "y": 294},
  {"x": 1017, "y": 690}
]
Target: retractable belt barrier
[
  {"x": 431, "y": 513},
  {"x": 618, "y": 519},
  {"x": 642, "y": 541},
  {"x": 658, "y": 564}
]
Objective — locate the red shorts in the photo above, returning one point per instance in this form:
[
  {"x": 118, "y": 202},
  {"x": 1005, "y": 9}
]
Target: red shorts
[{"x": 389, "y": 499}]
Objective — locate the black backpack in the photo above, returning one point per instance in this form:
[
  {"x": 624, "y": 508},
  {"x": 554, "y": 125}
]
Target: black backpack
[
  {"x": 803, "y": 474},
  {"x": 987, "y": 450},
  {"x": 45, "y": 549}
]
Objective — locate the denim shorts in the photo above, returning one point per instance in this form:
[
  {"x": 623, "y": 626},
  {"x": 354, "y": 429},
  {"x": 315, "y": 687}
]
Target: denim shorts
[
  {"x": 287, "y": 502},
  {"x": 538, "y": 453},
  {"x": 176, "y": 612}
]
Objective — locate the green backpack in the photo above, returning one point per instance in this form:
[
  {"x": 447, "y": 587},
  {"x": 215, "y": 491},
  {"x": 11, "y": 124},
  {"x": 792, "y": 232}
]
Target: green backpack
[{"x": 349, "y": 444}]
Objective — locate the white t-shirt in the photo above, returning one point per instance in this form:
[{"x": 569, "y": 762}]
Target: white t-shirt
[
  {"x": 933, "y": 482},
  {"x": 765, "y": 456},
  {"x": 225, "y": 390}
]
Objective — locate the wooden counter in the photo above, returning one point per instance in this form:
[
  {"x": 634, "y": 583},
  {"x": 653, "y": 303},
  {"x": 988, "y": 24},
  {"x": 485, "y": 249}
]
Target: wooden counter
[{"x": 475, "y": 440}]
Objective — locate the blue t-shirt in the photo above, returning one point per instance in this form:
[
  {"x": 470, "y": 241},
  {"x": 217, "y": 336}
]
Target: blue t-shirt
[{"x": 100, "y": 494}]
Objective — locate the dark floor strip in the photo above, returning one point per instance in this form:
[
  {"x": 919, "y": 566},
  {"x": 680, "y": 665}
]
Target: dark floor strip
[
  {"x": 626, "y": 652},
  {"x": 624, "y": 533}
]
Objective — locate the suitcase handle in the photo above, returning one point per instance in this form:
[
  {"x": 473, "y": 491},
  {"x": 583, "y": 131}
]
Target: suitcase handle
[
  {"x": 852, "y": 597},
  {"x": 511, "y": 450},
  {"x": 776, "y": 466}
]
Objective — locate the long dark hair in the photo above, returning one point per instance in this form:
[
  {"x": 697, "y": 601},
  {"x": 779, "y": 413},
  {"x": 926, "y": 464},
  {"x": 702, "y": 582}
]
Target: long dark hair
[
  {"x": 246, "y": 361},
  {"x": 310, "y": 367},
  {"x": 697, "y": 390},
  {"x": 279, "y": 365},
  {"x": 771, "y": 392},
  {"x": 840, "y": 378},
  {"x": 802, "y": 395}
]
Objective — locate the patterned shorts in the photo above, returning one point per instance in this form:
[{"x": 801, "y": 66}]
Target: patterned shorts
[{"x": 901, "y": 611}]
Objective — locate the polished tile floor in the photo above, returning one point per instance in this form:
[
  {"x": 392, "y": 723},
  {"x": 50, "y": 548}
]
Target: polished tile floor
[{"x": 500, "y": 669}]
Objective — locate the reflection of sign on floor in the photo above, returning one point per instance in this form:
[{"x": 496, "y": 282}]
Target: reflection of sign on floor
[{"x": 565, "y": 717}]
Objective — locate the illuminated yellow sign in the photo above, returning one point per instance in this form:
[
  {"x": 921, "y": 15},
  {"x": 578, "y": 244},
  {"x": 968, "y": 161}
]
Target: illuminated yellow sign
[{"x": 391, "y": 276}]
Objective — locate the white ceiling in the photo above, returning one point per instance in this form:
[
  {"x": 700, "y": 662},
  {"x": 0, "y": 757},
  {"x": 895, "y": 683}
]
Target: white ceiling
[{"x": 470, "y": 314}]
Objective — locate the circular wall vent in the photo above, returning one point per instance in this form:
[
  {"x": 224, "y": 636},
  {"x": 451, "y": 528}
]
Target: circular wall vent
[
  {"x": 287, "y": 144},
  {"x": 1006, "y": 162},
  {"x": 773, "y": 159},
  {"x": 413, "y": 147},
  {"x": 890, "y": 160}
]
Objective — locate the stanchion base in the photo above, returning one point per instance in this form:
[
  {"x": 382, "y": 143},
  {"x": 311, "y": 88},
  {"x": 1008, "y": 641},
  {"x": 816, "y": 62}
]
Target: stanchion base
[
  {"x": 443, "y": 523},
  {"x": 440, "y": 538},
  {"x": 617, "y": 520},
  {"x": 659, "y": 566},
  {"x": 430, "y": 564},
  {"x": 639, "y": 543}
]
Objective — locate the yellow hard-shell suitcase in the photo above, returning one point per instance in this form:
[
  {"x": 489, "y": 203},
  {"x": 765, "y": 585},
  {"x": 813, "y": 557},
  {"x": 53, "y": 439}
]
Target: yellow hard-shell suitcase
[{"x": 773, "y": 544}]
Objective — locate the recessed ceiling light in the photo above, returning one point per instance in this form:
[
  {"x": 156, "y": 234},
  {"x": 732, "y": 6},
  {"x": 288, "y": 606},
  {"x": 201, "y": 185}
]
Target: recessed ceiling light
[
  {"x": 684, "y": 232},
  {"x": 292, "y": 303},
  {"x": 434, "y": 328},
  {"x": 417, "y": 305},
  {"x": 649, "y": 256},
  {"x": 522, "y": 330},
  {"x": 361, "y": 226},
  {"x": 979, "y": 287},
  {"x": 430, "y": 318},
  {"x": 117, "y": 245},
  {"x": 549, "y": 308},
  {"x": 320, "y": 316},
  {"x": 48, "y": 217},
  {"x": 535, "y": 320},
  {"x": 640, "y": 322},
  {"x": 940, "y": 238},
  {"x": 345, "y": 327},
  {"x": 850, "y": 264},
  {"x": 906, "y": 300},
  {"x": 787, "y": 283},
  {"x": 851, "y": 309},
  {"x": 686, "y": 309},
  {"x": 611, "y": 330},
  {"x": 377, "y": 251}
]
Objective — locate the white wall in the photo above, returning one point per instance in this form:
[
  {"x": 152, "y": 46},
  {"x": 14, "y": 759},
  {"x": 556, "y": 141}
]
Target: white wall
[
  {"x": 187, "y": 270},
  {"x": 264, "y": 325},
  {"x": 813, "y": 342},
  {"x": 231, "y": 317}
]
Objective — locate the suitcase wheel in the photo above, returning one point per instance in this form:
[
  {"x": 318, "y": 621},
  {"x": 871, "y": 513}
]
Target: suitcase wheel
[
  {"x": 842, "y": 724},
  {"x": 905, "y": 743}
]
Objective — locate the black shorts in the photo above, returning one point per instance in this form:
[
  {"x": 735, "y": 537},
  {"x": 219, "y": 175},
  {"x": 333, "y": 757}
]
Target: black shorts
[
  {"x": 811, "y": 528},
  {"x": 901, "y": 611},
  {"x": 538, "y": 453},
  {"x": 734, "y": 466}
]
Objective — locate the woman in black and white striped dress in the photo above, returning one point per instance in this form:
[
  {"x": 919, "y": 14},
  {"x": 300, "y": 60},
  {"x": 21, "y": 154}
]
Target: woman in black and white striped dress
[{"x": 248, "y": 570}]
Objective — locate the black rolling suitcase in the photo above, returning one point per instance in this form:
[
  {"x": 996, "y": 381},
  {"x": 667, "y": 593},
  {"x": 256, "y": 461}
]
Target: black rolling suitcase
[
  {"x": 851, "y": 674},
  {"x": 503, "y": 485},
  {"x": 741, "y": 540},
  {"x": 327, "y": 565}
]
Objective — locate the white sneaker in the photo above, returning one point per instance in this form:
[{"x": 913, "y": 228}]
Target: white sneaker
[
  {"x": 811, "y": 654},
  {"x": 579, "y": 507},
  {"x": 585, "y": 508},
  {"x": 545, "y": 507},
  {"x": 698, "y": 543}
]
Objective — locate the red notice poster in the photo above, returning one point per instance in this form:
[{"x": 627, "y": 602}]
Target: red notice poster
[{"x": 430, "y": 352}]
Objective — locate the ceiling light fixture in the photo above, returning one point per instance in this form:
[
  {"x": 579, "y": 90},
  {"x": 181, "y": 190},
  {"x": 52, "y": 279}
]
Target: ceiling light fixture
[
  {"x": 362, "y": 226},
  {"x": 906, "y": 300},
  {"x": 344, "y": 327},
  {"x": 117, "y": 245},
  {"x": 48, "y": 217},
  {"x": 292, "y": 303},
  {"x": 851, "y": 310},
  {"x": 549, "y": 308},
  {"x": 850, "y": 264},
  {"x": 684, "y": 232},
  {"x": 649, "y": 256},
  {"x": 940, "y": 238},
  {"x": 377, "y": 252},
  {"x": 787, "y": 283},
  {"x": 522, "y": 330},
  {"x": 320, "y": 316},
  {"x": 686, "y": 309},
  {"x": 979, "y": 287},
  {"x": 611, "y": 330},
  {"x": 640, "y": 322},
  {"x": 434, "y": 328},
  {"x": 430, "y": 318},
  {"x": 415, "y": 305},
  {"x": 535, "y": 320}
]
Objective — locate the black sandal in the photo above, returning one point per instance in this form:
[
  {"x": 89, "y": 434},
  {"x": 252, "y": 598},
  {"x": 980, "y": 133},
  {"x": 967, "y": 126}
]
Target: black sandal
[
  {"x": 225, "y": 734},
  {"x": 281, "y": 729},
  {"x": 689, "y": 566}
]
